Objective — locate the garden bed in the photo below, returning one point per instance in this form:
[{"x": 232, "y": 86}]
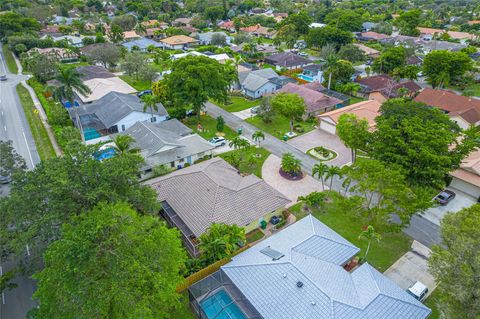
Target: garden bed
[
  {"x": 254, "y": 236},
  {"x": 322, "y": 154},
  {"x": 291, "y": 177}
]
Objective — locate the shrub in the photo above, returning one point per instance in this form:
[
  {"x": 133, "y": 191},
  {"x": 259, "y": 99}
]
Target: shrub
[
  {"x": 161, "y": 170},
  {"x": 290, "y": 164}
]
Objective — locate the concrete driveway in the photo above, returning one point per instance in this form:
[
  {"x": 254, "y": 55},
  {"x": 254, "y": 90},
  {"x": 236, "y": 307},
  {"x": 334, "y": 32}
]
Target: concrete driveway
[
  {"x": 244, "y": 114},
  {"x": 412, "y": 267},
  {"x": 461, "y": 200},
  {"x": 318, "y": 137}
]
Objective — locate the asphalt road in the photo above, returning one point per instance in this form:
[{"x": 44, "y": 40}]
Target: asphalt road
[{"x": 14, "y": 304}]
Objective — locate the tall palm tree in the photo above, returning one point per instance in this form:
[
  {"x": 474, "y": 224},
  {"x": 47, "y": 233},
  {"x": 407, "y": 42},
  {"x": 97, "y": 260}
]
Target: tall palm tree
[
  {"x": 123, "y": 145},
  {"x": 257, "y": 136},
  {"x": 330, "y": 61},
  {"x": 140, "y": 28},
  {"x": 369, "y": 234},
  {"x": 69, "y": 82},
  {"x": 320, "y": 170},
  {"x": 239, "y": 143},
  {"x": 150, "y": 101},
  {"x": 331, "y": 173}
]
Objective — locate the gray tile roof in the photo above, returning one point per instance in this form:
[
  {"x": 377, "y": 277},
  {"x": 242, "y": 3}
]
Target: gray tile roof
[
  {"x": 253, "y": 80},
  {"x": 88, "y": 72},
  {"x": 314, "y": 255},
  {"x": 165, "y": 142},
  {"x": 115, "y": 106},
  {"x": 287, "y": 59},
  {"x": 214, "y": 192}
]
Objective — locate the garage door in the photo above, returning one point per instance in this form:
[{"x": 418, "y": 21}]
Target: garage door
[
  {"x": 465, "y": 187},
  {"x": 328, "y": 127}
]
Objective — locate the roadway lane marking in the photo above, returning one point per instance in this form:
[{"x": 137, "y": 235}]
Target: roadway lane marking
[{"x": 28, "y": 149}]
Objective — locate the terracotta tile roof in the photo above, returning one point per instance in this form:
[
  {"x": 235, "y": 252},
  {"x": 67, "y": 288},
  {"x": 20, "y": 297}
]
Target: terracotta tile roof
[
  {"x": 454, "y": 34},
  {"x": 375, "y": 35},
  {"x": 150, "y": 23},
  {"x": 51, "y": 29},
  {"x": 226, "y": 24},
  {"x": 366, "y": 50},
  {"x": 130, "y": 35},
  {"x": 178, "y": 39},
  {"x": 386, "y": 85},
  {"x": 314, "y": 100},
  {"x": 446, "y": 100},
  {"x": 368, "y": 110},
  {"x": 251, "y": 28},
  {"x": 469, "y": 170},
  {"x": 473, "y": 22}
]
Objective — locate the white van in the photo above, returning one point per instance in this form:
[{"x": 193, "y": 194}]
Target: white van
[{"x": 418, "y": 290}]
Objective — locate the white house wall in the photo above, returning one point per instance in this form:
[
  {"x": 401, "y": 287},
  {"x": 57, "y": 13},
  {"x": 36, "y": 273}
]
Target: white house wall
[{"x": 135, "y": 117}]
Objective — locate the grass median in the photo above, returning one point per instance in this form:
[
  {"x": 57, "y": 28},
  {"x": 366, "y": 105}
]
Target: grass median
[
  {"x": 9, "y": 60},
  {"x": 40, "y": 136}
]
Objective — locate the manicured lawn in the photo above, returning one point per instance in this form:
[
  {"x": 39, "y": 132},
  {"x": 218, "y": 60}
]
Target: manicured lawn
[
  {"x": 279, "y": 125},
  {"x": 137, "y": 84},
  {"x": 382, "y": 255},
  {"x": 209, "y": 126},
  {"x": 312, "y": 52},
  {"x": 42, "y": 142},
  {"x": 237, "y": 104},
  {"x": 474, "y": 89},
  {"x": 254, "y": 235},
  {"x": 247, "y": 167},
  {"x": 9, "y": 60},
  {"x": 431, "y": 303},
  {"x": 183, "y": 312},
  {"x": 354, "y": 99}
]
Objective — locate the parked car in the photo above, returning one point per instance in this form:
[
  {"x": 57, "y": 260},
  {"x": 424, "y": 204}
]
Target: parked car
[
  {"x": 418, "y": 291},
  {"x": 275, "y": 220},
  {"x": 142, "y": 93},
  {"x": 3, "y": 77},
  {"x": 302, "y": 54},
  {"x": 445, "y": 197},
  {"x": 217, "y": 141},
  {"x": 255, "y": 109}
]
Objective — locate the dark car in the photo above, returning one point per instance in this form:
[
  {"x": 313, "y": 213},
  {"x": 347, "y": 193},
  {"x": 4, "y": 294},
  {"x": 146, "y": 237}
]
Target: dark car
[
  {"x": 445, "y": 197},
  {"x": 275, "y": 220},
  {"x": 146, "y": 92},
  {"x": 3, "y": 77}
]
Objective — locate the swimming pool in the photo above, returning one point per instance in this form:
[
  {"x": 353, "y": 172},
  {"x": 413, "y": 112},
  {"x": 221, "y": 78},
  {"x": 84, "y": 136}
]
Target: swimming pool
[
  {"x": 305, "y": 77},
  {"x": 220, "y": 306}
]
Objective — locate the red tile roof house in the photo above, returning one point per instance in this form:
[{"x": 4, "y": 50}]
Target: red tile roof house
[
  {"x": 315, "y": 101},
  {"x": 382, "y": 87},
  {"x": 467, "y": 177},
  {"x": 463, "y": 110}
]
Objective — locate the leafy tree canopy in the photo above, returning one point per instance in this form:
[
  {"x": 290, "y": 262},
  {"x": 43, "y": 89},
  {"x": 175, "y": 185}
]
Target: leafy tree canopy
[
  {"x": 444, "y": 67},
  {"x": 10, "y": 161},
  {"x": 220, "y": 241},
  {"x": 347, "y": 20},
  {"x": 319, "y": 37},
  {"x": 389, "y": 60}
]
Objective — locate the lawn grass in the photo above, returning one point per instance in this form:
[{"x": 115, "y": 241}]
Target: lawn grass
[
  {"x": 183, "y": 312},
  {"x": 254, "y": 235},
  {"x": 237, "y": 104},
  {"x": 474, "y": 88},
  {"x": 209, "y": 125},
  {"x": 247, "y": 167},
  {"x": 312, "y": 52},
  {"x": 9, "y": 60},
  {"x": 136, "y": 84},
  {"x": 382, "y": 254},
  {"x": 431, "y": 303},
  {"x": 354, "y": 99},
  {"x": 280, "y": 125},
  {"x": 40, "y": 136}
]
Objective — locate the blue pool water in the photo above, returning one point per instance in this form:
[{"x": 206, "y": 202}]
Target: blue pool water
[
  {"x": 305, "y": 77},
  {"x": 105, "y": 154},
  {"x": 216, "y": 307}
]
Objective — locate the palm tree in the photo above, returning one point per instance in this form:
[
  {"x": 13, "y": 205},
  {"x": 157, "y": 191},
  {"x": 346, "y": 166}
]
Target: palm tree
[
  {"x": 140, "y": 28},
  {"x": 330, "y": 61},
  {"x": 69, "y": 82},
  {"x": 369, "y": 234},
  {"x": 257, "y": 136},
  {"x": 332, "y": 171},
  {"x": 123, "y": 145},
  {"x": 320, "y": 170},
  {"x": 150, "y": 101},
  {"x": 239, "y": 143}
]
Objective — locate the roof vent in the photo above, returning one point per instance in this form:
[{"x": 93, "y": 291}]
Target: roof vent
[
  {"x": 274, "y": 254},
  {"x": 313, "y": 303},
  {"x": 284, "y": 275},
  {"x": 299, "y": 284}
]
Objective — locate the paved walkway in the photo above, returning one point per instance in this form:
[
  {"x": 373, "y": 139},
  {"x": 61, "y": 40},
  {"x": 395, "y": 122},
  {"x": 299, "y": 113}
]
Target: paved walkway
[{"x": 291, "y": 189}]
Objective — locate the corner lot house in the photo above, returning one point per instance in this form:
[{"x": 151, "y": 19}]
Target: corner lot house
[
  {"x": 255, "y": 84},
  {"x": 115, "y": 112},
  {"x": 467, "y": 177},
  {"x": 368, "y": 110},
  {"x": 178, "y": 42},
  {"x": 168, "y": 143},
  {"x": 463, "y": 110},
  {"x": 214, "y": 192},
  {"x": 298, "y": 273},
  {"x": 287, "y": 60}
]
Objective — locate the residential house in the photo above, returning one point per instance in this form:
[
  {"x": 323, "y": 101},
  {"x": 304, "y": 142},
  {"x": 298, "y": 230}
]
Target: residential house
[
  {"x": 299, "y": 272},
  {"x": 467, "y": 177},
  {"x": 227, "y": 26},
  {"x": 367, "y": 110},
  {"x": 382, "y": 87},
  {"x": 89, "y": 26},
  {"x": 206, "y": 38},
  {"x": 287, "y": 60},
  {"x": 75, "y": 41},
  {"x": 368, "y": 51},
  {"x": 141, "y": 44},
  {"x": 312, "y": 73},
  {"x": 414, "y": 60},
  {"x": 101, "y": 82},
  {"x": 315, "y": 101},
  {"x": 51, "y": 30},
  {"x": 130, "y": 36},
  {"x": 62, "y": 20},
  {"x": 259, "y": 31},
  {"x": 155, "y": 33},
  {"x": 169, "y": 143},
  {"x": 112, "y": 113},
  {"x": 368, "y": 26},
  {"x": 280, "y": 16},
  {"x": 182, "y": 22},
  {"x": 178, "y": 42},
  {"x": 213, "y": 191},
  {"x": 222, "y": 57},
  {"x": 430, "y": 33},
  {"x": 463, "y": 110},
  {"x": 151, "y": 23},
  {"x": 266, "y": 49},
  {"x": 371, "y": 36},
  {"x": 257, "y": 83},
  {"x": 59, "y": 54}
]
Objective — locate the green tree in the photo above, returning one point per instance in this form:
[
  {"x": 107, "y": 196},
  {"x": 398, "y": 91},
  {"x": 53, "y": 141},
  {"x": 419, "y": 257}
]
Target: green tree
[
  {"x": 70, "y": 82},
  {"x": 408, "y": 22},
  {"x": 265, "y": 109},
  {"x": 107, "y": 54},
  {"x": 239, "y": 143},
  {"x": 319, "y": 37},
  {"x": 218, "y": 40},
  {"x": 116, "y": 34},
  {"x": 290, "y": 164},
  {"x": 123, "y": 145},
  {"x": 456, "y": 264},
  {"x": 140, "y": 28},
  {"x": 442, "y": 67},
  {"x": 151, "y": 102},
  {"x": 111, "y": 263},
  {"x": 195, "y": 79},
  {"x": 422, "y": 140},
  {"x": 369, "y": 234},
  {"x": 258, "y": 136},
  {"x": 332, "y": 171},
  {"x": 10, "y": 161},
  {"x": 320, "y": 170},
  {"x": 287, "y": 34},
  {"x": 220, "y": 241},
  {"x": 220, "y": 124},
  {"x": 13, "y": 22},
  {"x": 351, "y": 53},
  {"x": 389, "y": 60},
  {"x": 134, "y": 63},
  {"x": 340, "y": 72},
  {"x": 42, "y": 66},
  {"x": 347, "y": 20},
  {"x": 291, "y": 106},
  {"x": 214, "y": 13},
  {"x": 301, "y": 21},
  {"x": 43, "y": 199},
  {"x": 353, "y": 132}
]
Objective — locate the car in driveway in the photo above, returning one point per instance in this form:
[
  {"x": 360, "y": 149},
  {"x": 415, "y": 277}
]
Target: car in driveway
[
  {"x": 305, "y": 55},
  {"x": 146, "y": 92},
  {"x": 445, "y": 197},
  {"x": 255, "y": 109},
  {"x": 217, "y": 141},
  {"x": 5, "y": 179}
]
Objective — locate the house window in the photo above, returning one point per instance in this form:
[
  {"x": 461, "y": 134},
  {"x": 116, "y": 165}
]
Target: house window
[
  {"x": 123, "y": 127},
  {"x": 172, "y": 164}
]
